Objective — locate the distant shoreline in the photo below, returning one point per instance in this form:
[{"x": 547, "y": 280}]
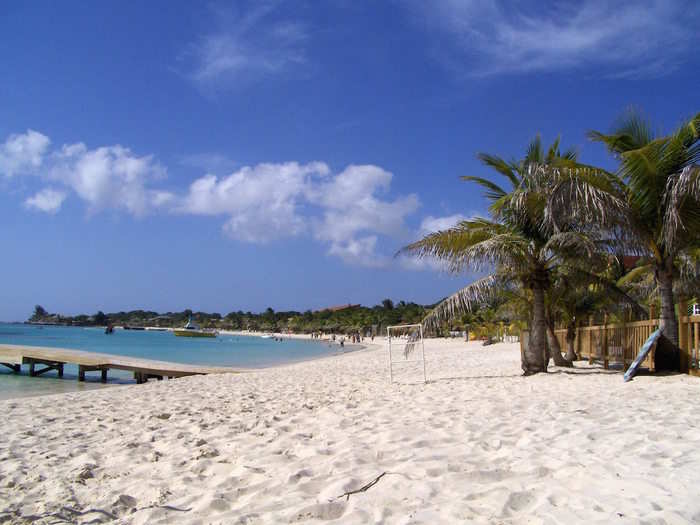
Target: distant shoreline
[{"x": 51, "y": 385}]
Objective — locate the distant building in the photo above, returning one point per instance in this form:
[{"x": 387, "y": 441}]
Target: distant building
[
  {"x": 339, "y": 308},
  {"x": 629, "y": 262}
]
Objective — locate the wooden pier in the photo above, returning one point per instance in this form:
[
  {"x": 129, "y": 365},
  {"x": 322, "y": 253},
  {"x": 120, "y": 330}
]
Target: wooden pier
[{"x": 14, "y": 356}]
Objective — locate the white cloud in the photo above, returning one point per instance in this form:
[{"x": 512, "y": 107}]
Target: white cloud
[
  {"x": 648, "y": 38},
  {"x": 248, "y": 44},
  {"x": 352, "y": 207},
  {"x": 109, "y": 177},
  {"x": 360, "y": 251},
  {"x": 351, "y": 212},
  {"x": 262, "y": 202},
  {"x": 427, "y": 226},
  {"x": 272, "y": 201},
  {"x": 23, "y": 153},
  {"x": 47, "y": 200}
]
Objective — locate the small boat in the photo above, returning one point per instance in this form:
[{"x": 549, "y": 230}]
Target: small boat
[{"x": 191, "y": 329}]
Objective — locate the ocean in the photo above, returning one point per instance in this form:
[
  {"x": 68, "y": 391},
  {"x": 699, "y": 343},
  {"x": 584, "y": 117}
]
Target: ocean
[{"x": 224, "y": 350}]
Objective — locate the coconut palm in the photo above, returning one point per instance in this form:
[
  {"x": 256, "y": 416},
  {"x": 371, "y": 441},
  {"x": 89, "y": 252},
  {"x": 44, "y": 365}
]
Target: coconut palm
[
  {"x": 516, "y": 240},
  {"x": 650, "y": 206}
]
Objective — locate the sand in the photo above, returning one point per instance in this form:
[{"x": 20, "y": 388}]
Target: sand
[{"x": 478, "y": 443}]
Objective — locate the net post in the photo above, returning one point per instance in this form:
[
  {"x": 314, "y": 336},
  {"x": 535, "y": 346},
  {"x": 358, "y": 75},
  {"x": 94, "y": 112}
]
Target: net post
[
  {"x": 411, "y": 341},
  {"x": 391, "y": 370},
  {"x": 422, "y": 342}
]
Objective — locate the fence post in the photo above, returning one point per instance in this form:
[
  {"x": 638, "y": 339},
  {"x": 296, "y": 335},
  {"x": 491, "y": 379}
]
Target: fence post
[
  {"x": 604, "y": 342},
  {"x": 683, "y": 335},
  {"x": 577, "y": 339},
  {"x": 695, "y": 348},
  {"x": 590, "y": 340},
  {"x": 624, "y": 338}
]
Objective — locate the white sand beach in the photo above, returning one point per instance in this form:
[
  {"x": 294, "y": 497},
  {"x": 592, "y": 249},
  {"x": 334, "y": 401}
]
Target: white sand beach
[{"x": 478, "y": 443}]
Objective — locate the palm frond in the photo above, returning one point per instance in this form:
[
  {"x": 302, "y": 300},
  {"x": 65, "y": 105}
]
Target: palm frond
[
  {"x": 607, "y": 286},
  {"x": 631, "y": 131},
  {"x": 477, "y": 242},
  {"x": 493, "y": 190},
  {"x": 570, "y": 154},
  {"x": 635, "y": 274},
  {"x": 507, "y": 249},
  {"x": 570, "y": 244},
  {"x": 480, "y": 292},
  {"x": 508, "y": 169},
  {"x": 682, "y": 189},
  {"x": 682, "y": 206},
  {"x": 641, "y": 168},
  {"x": 585, "y": 195},
  {"x": 553, "y": 151},
  {"x": 534, "y": 152},
  {"x": 688, "y": 264}
]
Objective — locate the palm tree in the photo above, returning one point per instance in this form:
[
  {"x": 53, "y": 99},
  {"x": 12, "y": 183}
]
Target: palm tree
[
  {"x": 651, "y": 205},
  {"x": 517, "y": 240}
]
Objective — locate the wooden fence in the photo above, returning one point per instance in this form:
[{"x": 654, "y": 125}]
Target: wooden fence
[
  {"x": 689, "y": 342},
  {"x": 611, "y": 343},
  {"x": 619, "y": 343}
]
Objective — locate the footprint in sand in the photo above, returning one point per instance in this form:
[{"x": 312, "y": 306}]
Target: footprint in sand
[
  {"x": 303, "y": 473},
  {"x": 321, "y": 511},
  {"x": 518, "y": 501}
]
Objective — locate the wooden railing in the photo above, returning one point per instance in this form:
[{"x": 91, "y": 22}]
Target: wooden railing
[
  {"x": 619, "y": 343},
  {"x": 611, "y": 343},
  {"x": 689, "y": 342}
]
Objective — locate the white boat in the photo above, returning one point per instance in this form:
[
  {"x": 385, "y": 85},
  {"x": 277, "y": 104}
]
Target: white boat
[{"x": 191, "y": 329}]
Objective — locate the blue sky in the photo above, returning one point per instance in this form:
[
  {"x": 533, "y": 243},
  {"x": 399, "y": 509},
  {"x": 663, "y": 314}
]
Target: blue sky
[{"x": 234, "y": 156}]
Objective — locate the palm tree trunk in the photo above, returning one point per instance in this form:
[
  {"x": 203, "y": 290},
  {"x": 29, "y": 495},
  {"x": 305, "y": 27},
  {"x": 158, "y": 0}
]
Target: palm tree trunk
[
  {"x": 534, "y": 358},
  {"x": 668, "y": 321},
  {"x": 554, "y": 346},
  {"x": 570, "y": 340}
]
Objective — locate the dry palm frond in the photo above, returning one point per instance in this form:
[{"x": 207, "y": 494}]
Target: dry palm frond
[
  {"x": 636, "y": 274},
  {"x": 481, "y": 292},
  {"x": 478, "y": 243},
  {"x": 683, "y": 205},
  {"x": 688, "y": 282},
  {"x": 584, "y": 195},
  {"x": 570, "y": 244}
]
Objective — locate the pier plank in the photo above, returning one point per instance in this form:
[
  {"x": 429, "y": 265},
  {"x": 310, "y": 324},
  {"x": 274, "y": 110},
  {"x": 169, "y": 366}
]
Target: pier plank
[{"x": 14, "y": 356}]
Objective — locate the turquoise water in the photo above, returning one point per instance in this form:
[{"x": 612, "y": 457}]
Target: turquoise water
[{"x": 225, "y": 350}]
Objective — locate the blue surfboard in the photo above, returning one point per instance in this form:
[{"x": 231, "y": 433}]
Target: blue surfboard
[{"x": 641, "y": 356}]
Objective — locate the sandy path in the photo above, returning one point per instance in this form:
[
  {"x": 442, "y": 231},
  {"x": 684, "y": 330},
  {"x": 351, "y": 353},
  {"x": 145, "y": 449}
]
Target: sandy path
[{"x": 478, "y": 443}]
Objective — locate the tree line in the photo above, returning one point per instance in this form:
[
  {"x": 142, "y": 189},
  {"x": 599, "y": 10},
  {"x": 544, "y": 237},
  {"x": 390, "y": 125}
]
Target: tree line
[{"x": 346, "y": 320}]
